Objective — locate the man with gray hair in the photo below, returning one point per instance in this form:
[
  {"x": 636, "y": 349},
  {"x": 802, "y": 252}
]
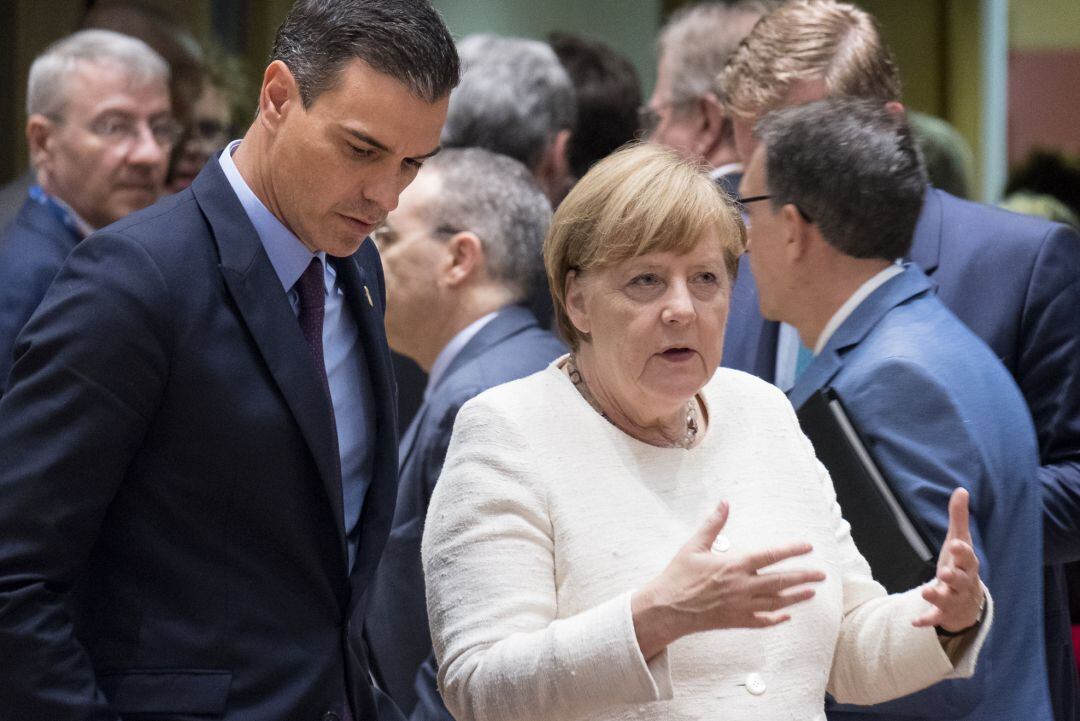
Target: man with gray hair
[
  {"x": 515, "y": 98},
  {"x": 99, "y": 127},
  {"x": 684, "y": 112},
  {"x": 461, "y": 250},
  {"x": 833, "y": 192}
]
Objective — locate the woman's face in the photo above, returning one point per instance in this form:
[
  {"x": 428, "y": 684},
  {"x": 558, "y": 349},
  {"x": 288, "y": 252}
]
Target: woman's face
[{"x": 656, "y": 326}]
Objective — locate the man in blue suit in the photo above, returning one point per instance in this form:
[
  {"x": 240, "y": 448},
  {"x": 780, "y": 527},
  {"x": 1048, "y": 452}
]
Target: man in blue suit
[
  {"x": 200, "y": 459},
  {"x": 1010, "y": 278},
  {"x": 462, "y": 252},
  {"x": 90, "y": 99},
  {"x": 839, "y": 186}
]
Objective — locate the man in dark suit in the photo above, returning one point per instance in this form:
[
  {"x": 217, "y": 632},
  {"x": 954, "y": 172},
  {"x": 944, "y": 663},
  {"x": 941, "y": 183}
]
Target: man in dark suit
[
  {"x": 1011, "y": 279},
  {"x": 684, "y": 112},
  {"x": 840, "y": 185},
  {"x": 90, "y": 98},
  {"x": 461, "y": 251},
  {"x": 198, "y": 437}
]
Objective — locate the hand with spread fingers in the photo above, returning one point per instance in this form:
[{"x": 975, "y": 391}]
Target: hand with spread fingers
[
  {"x": 956, "y": 593},
  {"x": 700, "y": 590}
]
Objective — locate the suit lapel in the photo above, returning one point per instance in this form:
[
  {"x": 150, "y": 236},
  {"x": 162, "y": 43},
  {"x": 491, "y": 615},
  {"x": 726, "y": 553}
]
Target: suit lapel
[
  {"x": 863, "y": 319},
  {"x": 363, "y": 293},
  {"x": 264, "y": 308}
]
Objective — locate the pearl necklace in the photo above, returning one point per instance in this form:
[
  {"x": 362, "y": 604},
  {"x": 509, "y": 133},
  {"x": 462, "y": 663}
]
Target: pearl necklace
[{"x": 688, "y": 437}]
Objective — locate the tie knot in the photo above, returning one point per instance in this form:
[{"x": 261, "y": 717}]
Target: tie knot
[{"x": 311, "y": 287}]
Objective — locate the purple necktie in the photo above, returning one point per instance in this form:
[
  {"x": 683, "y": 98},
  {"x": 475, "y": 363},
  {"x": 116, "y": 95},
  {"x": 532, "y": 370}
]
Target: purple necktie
[{"x": 311, "y": 289}]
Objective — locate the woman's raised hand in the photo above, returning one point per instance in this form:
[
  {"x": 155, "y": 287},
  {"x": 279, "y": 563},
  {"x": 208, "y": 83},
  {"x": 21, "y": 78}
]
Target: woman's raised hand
[
  {"x": 701, "y": 590},
  {"x": 956, "y": 594}
]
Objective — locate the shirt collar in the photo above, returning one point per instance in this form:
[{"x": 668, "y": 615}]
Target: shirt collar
[
  {"x": 289, "y": 257},
  {"x": 856, "y": 299},
  {"x": 451, "y": 350},
  {"x": 72, "y": 220}
]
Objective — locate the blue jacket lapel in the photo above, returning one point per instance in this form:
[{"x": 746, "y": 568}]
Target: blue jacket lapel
[
  {"x": 909, "y": 284},
  {"x": 265, "y": 310}
]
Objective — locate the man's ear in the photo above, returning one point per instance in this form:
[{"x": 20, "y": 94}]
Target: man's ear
[
  {"x": 713, "y": 119},
  {"x": 574, "y": 292},
  {"x": 553, "y": 170},
  {"x": 278, "y": 96},
  {"x": 40, "y": 139},
  {"x": 465, "y": 259},
  {"x": 799, "y": 233}
]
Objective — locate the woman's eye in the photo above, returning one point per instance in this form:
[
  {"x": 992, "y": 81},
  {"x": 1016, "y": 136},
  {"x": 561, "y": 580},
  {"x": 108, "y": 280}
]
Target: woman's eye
[
  {"x": 707, "y": 277},
  {"x": 645, "y": 280}
]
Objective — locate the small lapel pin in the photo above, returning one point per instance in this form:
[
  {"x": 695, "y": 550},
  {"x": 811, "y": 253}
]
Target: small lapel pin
[{"x": 368, "y": 294}]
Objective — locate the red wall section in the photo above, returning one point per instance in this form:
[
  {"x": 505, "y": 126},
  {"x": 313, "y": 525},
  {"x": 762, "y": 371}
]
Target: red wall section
[{"x": 1044, "y": 101}]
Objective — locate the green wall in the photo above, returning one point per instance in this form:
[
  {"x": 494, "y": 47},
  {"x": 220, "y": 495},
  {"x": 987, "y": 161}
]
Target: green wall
[{"x": 628, "y": 26}]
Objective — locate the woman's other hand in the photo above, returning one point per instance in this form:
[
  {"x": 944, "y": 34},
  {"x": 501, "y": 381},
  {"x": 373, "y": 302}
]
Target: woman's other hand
[
  {"x": 956, "y": 594},
  {"x": 701, "y": 590}
]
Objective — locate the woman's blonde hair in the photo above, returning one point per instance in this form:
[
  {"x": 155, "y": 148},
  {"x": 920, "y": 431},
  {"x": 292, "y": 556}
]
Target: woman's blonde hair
[{"x": 641, "y": 199}]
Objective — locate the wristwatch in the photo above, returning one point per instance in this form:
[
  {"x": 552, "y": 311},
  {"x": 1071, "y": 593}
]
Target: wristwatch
[{"x": 978, "y": 622}]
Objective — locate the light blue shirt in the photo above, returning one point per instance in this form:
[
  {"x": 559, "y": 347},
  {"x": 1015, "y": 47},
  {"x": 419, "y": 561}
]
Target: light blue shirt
[
  {"x": 450, "y": 351},
  {"x": 343, "y": 354}
]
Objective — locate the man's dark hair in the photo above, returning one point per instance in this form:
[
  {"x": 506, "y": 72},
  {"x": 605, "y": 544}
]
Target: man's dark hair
[
  {"x": 405, "y": 39},
  {"x": 608, "y": 96},
  {"x": 851, "y": 165}
]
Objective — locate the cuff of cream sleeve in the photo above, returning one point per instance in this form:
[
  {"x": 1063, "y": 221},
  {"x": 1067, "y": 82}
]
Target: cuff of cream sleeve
[{"x": 636, "y": 680}]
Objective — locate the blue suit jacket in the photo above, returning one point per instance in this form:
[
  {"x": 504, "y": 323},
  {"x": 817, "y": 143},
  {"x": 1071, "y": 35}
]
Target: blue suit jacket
[
  {"x": 1013, "y": 280},
  {"x": 173, "y": 540},
  {"x": 511, "y": 346},
  {"x": 32, "y": 249},
  {"x": 937, "y": 414}
]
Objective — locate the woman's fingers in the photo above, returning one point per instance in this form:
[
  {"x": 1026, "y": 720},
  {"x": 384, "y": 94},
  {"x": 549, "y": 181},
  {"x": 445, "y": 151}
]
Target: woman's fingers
[
  {"x": 958, "y": 516},
  {"x": 761, "y": 559},
  {"x": 776, "y": 582},
  {"x": 703, "y": 538},
  {"x": 777, "y": 601}
]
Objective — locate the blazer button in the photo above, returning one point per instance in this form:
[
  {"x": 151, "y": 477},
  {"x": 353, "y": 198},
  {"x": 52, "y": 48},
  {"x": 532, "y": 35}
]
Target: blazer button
[
  {"x": 755, "y": 684},
  {"x": 330, "y": 716}
]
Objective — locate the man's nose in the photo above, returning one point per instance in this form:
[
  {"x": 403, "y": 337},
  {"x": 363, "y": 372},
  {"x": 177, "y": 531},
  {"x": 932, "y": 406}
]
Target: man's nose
[{"x": 146, "y": 149}]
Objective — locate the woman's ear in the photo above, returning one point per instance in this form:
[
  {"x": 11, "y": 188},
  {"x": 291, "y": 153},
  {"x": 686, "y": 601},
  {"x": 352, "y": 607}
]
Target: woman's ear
[{"x": 574, "y": 290}]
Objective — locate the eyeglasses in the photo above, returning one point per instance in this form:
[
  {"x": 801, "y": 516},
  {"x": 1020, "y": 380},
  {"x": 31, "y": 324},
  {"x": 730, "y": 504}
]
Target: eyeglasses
[
  {"x": 124, "y": 130},
  {"x": 756, "y": 198}
]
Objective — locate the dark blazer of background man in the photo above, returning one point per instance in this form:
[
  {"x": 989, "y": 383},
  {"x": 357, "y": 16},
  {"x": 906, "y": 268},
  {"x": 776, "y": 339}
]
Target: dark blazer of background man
[
  {"x": 89, "y": 98},
  {"x": 1011, "y": 279},
  {"x": 462, "y": 249},
  {"x": 180, "y": 502},
  {"x": 936, "y": 408}
]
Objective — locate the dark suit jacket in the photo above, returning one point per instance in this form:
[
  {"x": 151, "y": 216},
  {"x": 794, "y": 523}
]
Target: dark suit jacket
[
  {"x": 32, "y": 249},
  {"x": 173, "y": 543},
  {"x": 1013, "y": 280},
  {"x": 937, "y": 415},
  {"x": 512, "y": 345}
]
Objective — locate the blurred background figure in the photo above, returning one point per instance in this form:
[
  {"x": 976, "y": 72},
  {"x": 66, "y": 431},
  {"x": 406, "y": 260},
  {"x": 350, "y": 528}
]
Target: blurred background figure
[
  {"x": 608, "y": 97},
  {"x": 515, "y": 98},
  {"x": 461, "y": 250},
  {"x": 175, "y": 45},
  {"x": 684, "y": 112},
  {"x": 1051, "y": 174},
  {"x": 210, "y": 125},
  {"x": 100, "y": 131},
  {"x": 947, "y": 156}
]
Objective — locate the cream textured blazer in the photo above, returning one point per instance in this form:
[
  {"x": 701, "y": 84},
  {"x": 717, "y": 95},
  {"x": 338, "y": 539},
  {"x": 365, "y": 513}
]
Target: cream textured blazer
[{"x": 547, "y": 517}]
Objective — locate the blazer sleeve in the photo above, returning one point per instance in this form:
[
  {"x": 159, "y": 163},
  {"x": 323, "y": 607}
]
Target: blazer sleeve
[
  {"x": 1048, "y": 372},
  {"x": 880, "y": 655},
  {"x": 503, "y": 652},
  {"x": 88, "y": 375}
]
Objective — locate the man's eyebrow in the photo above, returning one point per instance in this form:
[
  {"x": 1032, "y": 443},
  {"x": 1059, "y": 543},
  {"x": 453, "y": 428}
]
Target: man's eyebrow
[{"x": 365, "y": 138}]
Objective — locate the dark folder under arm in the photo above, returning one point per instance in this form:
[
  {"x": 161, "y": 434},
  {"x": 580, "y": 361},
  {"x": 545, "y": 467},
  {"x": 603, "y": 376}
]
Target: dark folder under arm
[{"x": 898, "y": 553}]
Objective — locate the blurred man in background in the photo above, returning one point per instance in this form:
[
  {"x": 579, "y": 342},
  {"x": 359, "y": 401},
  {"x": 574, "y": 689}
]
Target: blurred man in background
[{"x": 100, "y": 129}]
